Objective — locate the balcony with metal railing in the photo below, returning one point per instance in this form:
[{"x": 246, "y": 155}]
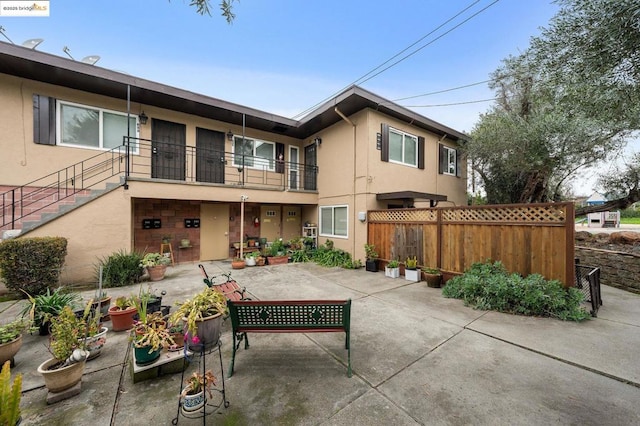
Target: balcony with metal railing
[{"x": 154, "y": 161}]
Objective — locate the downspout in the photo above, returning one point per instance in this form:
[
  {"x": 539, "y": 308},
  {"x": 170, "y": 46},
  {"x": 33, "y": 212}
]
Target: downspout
[{"x": 353, "y": 187}]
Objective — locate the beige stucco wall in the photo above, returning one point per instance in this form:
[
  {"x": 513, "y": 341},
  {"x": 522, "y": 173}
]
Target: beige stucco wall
[{"x": 91, "y": 240}]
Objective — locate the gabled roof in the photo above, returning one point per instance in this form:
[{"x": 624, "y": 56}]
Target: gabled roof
[{"x": 35, "y": 65}]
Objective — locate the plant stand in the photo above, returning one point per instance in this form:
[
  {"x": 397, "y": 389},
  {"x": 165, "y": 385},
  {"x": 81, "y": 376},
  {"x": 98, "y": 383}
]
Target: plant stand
[{"x": 210, "y": 407}]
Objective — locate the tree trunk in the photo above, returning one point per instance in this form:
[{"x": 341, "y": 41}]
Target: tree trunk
[{"x": 619, "y": 204}]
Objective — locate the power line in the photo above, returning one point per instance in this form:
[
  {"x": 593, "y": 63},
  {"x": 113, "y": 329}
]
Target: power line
[
  {"x": 451, "y": 104},
  {"x": 399, "y": 53},
  {"x": 442, "y": 91}
]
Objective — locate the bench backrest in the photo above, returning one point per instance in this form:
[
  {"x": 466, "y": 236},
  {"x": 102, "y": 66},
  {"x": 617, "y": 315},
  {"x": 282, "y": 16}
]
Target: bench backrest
[{"x": 290, "y": 315}]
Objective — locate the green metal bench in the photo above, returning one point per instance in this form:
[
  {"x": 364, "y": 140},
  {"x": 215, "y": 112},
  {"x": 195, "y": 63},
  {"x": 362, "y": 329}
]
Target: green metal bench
[{"x": 289, "y": 316}]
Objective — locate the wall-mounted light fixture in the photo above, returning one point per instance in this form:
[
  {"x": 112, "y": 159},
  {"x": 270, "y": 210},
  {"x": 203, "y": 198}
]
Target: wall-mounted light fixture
[
  {"x": 317, "y": 141},
  {"x": 143, "y": 118},
  {"x": 229, "y": 136}
]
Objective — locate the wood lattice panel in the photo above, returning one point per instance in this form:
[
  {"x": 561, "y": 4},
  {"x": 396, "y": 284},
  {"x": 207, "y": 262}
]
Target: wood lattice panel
[
  {"x": 507, "y": 214},
  {"x": 403, "y": 216}
]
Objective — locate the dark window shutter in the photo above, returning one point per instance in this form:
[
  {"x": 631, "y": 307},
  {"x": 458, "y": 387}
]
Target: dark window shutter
[
  {"x": 442, "y": 158},
  {"x": 279, "y": 161},
  {"x": 420, "y": 152},
  {"x": 44, "y": 120},
  {"x": 458, "y": 168},
  {"x": 384, "y": 152}
]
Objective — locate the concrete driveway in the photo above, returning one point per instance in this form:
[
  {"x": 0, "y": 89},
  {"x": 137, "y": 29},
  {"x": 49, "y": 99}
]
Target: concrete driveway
[{"x": 418, "y": 358}]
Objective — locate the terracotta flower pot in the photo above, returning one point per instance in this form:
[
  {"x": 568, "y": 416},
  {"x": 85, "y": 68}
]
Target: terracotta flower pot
[
  {"x": 237, "y": 264},
  {"x": 62, "y": 378},
  {"x": 156, "y": 273},
  {"x": 121, "y": 319}
]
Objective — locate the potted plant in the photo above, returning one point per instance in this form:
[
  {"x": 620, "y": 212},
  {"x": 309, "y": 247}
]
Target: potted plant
[
  {"x": 150, "y": 333},
  {"x": 122, "y": 313},
  {"x": 251, "y": 258},
  {"x": 43, "y": 307},
  {"x": 392, "y": 270},
  {"x": 277, "y": 253},
  {"x": 10, "y": 395},
  {"x": 11, "y": 338},
  {"x": 193, "y": 397},
  {"x": 202, "y": 315},
  {"x": 65, "y": 369},
  {"x": 370, "y": 253},
  {"x": 411, "y": 270},
  {"x": 237, "y": 263},
  {"x": 92, "y": 333},
  {"x": 433, "y": 277},
  {"x": 155, "y": 264},
  {"x": 177, "y": 333}
]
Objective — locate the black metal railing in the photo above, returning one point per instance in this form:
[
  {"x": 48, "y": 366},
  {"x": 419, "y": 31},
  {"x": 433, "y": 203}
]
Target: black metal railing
[
  {"x": 164, "y": 160},
  {"x": 149, "y": 159},
  {"x": 21, "y": 202},
  {"x": 588, "y": 282}
]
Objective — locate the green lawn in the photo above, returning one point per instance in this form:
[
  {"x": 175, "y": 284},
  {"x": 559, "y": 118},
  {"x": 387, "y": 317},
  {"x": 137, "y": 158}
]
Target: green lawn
[{"x": 630, "y": 220}]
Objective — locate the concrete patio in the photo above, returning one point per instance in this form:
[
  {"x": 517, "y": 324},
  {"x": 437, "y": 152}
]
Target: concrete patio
[{"x": 418, "y": 358}]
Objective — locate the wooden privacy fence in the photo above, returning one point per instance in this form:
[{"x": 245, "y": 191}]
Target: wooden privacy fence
[{"x": 526, "y": 238}]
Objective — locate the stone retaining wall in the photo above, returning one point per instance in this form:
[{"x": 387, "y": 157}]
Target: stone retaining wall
[{"x": 617, "y": 269}]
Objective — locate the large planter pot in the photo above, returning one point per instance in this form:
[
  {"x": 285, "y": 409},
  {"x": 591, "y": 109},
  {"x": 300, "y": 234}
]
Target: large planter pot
[
  {"x": 412, "y": 275},
  {"x": 156, "y": 273},
  {"x": 143, "y": 357},
  {"x": 250, "y": 261},
  {"x": 193, "y": 402},
  {"x": 278, "y": 260},
  {"x": 237, "y": 264},
  {"x": 121, "y": 319},
  {"x": 208, "y": 333},
  {"x": 62, "y": 378},
  {"x": 96, "y": 342},
  {"x": 392, "y": 272},
  {"x": 433, "y": 280},
  {"x": 371, "y": 265},
  {"x": 10, "y": 349}
]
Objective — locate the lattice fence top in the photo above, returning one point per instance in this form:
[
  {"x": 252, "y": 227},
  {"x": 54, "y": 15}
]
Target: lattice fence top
[
  {"x": 548, "y": 213},
  {"x": 399, "y": 216},
  {"x": 525, "y": 213}
]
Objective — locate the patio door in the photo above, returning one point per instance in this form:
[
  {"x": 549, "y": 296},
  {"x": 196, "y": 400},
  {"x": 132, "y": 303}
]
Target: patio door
[
  {"x": 168, "y": 148},
  {"x": 294, "y": 159},
  {"x": 210, "y": 159},
  {"x": 214, "y": 231},
  {"x": 310, "y": 168}
]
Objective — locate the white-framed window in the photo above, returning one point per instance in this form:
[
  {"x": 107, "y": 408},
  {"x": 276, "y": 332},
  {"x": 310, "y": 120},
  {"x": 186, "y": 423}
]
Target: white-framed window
[
  {"x": 450, "y": 161},
  {"x": 253, "y": 153},
  {"x": 334, "y": 221},
  {"x": 92, "y": 127},
  {"x": 403, "y": 148}
]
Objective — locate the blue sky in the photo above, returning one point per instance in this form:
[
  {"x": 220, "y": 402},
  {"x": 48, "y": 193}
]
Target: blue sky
[{"x": 284, "y": 56}]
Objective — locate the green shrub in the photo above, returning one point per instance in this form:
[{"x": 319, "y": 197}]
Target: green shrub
[
  {"x": 488, "y": 286},
  {"x": 324, "y": 256},
  {"x": 300, "y": 256},
  {"x": 32, "y": 264},
  {"x": 120, "y": 269},
  {"x": 352, "y": 264}
]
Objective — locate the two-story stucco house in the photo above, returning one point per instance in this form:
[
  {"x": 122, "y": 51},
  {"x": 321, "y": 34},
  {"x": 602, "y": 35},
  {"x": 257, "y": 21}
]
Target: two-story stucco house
[{"x": 111, "y": 161}]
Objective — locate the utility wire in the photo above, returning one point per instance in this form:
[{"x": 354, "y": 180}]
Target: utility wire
[
  {"x": 451, "y": 104},
  {"x": 398, "y": 54},
  {"x": 442, "y": 91}
]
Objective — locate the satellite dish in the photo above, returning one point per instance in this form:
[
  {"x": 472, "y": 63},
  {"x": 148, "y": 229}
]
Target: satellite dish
[
  {"x": 32, "y": 43},
  {"x": 91, "y": 60}
]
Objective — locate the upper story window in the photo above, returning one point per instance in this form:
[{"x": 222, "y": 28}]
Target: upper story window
[
  {"x": 92, "y": 127},
  {"x": 448, "y": 162},
  {"x": 403, "y": 148},
  {"x": 254, "y": 153},
  {"x": 398, "y": 146}
]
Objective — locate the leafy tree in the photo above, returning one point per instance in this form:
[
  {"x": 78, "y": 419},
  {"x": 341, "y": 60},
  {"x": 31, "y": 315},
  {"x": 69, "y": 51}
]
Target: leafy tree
[
  {"x": 568, "y": 103},
  {"x": 203, "y": 7}
]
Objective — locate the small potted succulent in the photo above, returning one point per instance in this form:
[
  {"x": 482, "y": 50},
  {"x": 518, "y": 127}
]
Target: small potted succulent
[
  {"x": 433, "y": 277},
  {"x": 411, "y": 270},
  {"x": 193, "y": 394},
  {"x": 392, "y": 270},
  {"x": 156, "y": 265}
]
